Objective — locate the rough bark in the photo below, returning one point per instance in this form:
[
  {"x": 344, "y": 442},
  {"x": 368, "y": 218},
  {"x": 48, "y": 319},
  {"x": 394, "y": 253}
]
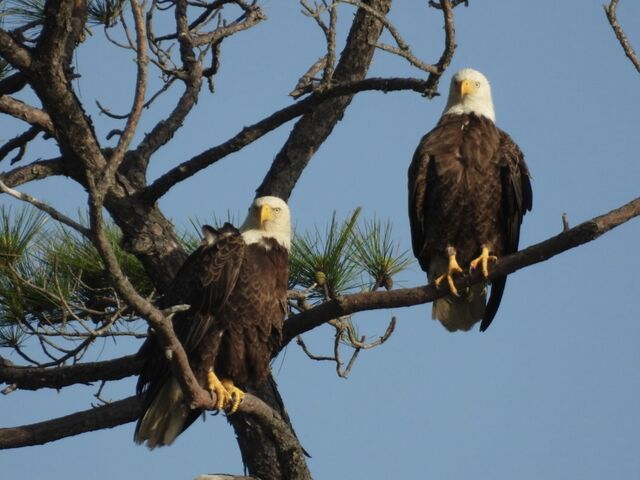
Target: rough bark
[{"x": 310, "y": 132}]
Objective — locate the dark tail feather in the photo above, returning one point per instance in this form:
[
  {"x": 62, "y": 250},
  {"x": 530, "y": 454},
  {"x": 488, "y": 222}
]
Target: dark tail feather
[{"x": 497, "y": 289}]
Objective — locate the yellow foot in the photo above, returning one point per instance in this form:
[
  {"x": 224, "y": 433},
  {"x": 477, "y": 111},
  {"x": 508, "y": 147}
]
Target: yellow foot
[
  {"x": 223, "y": 397},
  {"x": 453, "y": 268},
  {"x": 236, "y": 395},
  {"x": 483, "y": 260}
]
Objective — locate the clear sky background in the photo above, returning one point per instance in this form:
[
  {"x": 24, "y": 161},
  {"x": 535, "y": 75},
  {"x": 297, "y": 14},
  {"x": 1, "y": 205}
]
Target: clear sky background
[{"x": 549, "y": 391}]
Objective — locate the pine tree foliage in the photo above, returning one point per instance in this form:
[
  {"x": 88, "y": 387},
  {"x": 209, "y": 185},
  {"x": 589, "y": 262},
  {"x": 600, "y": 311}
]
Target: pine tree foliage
[{"x": 52, "y": 279}]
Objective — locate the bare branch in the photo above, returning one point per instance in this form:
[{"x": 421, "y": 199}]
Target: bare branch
[
  {"x": 315, "y": 126},
  {"x": 33, "y": 171},
  {"x": 308, "y": 353},
  {"x": 610, "y": 11},
  {"x": 449, "y": 44},
  {"x": 405, "y": 297},
  {"x": 34, "y": 116},
  {"x": 19, "y": 142},
  {"x": 195, "y": 395},
  {"x": 13, "y": 83},
  {"x": 107, "y": 416},
  {"x": 35, "y": 378},
  {"x": 141, "y": 85},
  {"x": 40, "y": 205},
  {"x": 17, "y": 55},
  {"x": 253, "y": 132},
  {"x": 403, "y": 49},
  {"x": 129, "y": 409}
]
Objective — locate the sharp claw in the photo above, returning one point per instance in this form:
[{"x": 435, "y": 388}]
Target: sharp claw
[
  {"x": 217, "y": 388},
  {"x": 452, "y": 286},
  {"x": 235, "y": 396},
  {"x": 451, "y": 269},
  {"x": 483, "y": 260}
]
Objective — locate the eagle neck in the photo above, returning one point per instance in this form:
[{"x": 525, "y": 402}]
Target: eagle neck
[{"x": 256, "y": 236}]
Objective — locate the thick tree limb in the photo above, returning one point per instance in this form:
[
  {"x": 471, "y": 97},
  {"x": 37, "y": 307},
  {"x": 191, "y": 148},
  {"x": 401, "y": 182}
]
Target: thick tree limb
[
  {"x": 14, "y": 53},
  {"x": 405, "y": 297},
  {"x": 107, "y": 416},
  {"x": 253, "y": 132},
  {"x": 13, "y": 83},
  {"x": 35, "y": 378},
  {"x": 34, "y": 171},
  {"x": 610, "y": 11},
  {"x": 31, "y": 115},
  {"x": 290, "y": 453},
  {"x": 310, "y": 132}
]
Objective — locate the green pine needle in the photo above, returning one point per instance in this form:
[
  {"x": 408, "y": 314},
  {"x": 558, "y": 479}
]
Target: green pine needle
[
  {"x": 321, "y": 262},
  {"x": 105, "y": 12},
  {"x": 17, "y": 232},
  {"x": 24, "y": 11},
  {"x": 378, "y": 254}
]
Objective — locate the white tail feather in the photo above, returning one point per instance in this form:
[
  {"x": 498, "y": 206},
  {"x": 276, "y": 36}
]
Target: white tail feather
[
  {"x": 165, "y": 418},
  {"x": 457, "y": 313}
]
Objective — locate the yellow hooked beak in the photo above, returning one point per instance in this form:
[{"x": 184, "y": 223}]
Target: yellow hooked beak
[
  {"x": 266, "y": 213},
  {"x": 467, "y": 87}
]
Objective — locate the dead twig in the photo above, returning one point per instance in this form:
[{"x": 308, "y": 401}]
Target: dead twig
[{"x": 610, "y": 11}]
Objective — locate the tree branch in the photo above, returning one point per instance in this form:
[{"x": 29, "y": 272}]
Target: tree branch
[
  {"x": 405, "y": 297},
  {"x": 31, "y": 115},
  {"x": 52, "y": 212},
  {"x": 129, "y": 409},
  {"x": 13, "y": 83},
  {"x": 107, "y": 416},
  {"x": 20, "y": 142},
  {"x": 14, "y": 53},
  {"x": 253, "y": 132},
  {"x": 313, "y": 128},
  {"x": 610, "y": 11},
  {"x": 35, "y": 378},
  {"x": 33, "y": 171},
  {"x": 141, "y": 85}
]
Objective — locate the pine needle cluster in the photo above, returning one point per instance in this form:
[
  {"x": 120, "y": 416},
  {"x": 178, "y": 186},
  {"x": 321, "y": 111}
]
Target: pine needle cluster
[{"x": 345, "y": 256}]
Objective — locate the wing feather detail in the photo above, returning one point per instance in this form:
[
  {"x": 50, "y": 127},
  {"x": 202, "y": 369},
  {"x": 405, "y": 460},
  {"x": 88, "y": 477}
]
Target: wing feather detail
[
  {"x": 517, "y": 200},
  {"x": 205, "y": 281}
]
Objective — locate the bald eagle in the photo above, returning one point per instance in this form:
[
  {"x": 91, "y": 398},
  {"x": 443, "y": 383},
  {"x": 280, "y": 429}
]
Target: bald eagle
[
  {"x": 469, "y": 188},
  {"x": 236, "y": 286}
]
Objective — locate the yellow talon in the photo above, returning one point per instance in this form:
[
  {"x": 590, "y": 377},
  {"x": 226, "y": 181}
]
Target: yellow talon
[
  {"x": 483, "y": 260},
  {"x": 453, "y": 268},
  {"x": 235, "y": 395},
  {"x": 216, "y": 387}
]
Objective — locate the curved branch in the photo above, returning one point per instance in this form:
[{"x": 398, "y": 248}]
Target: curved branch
[
  {"x": 449, "y": 43},
  {"x": 405, "y": 297},
  {"x": 253, "y": 132},
  {"x": 19, "y": 142},
  {"x": 35, "y": 378},
  {"x": 610, "y": 11}
]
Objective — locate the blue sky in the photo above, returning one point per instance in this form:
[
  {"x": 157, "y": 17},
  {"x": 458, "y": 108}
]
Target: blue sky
[{"x": 549, "y": 391}]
